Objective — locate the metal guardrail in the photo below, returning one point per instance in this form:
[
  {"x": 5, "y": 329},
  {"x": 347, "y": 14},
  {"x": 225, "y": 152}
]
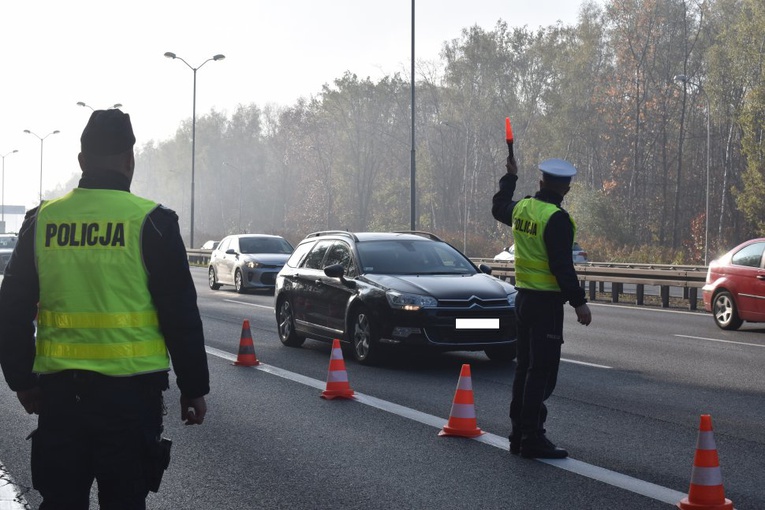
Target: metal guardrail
[
  {"x": 593, "y": 277},
  {"x": 595, "y": 274},
  {"x": 198, "y": 257}
]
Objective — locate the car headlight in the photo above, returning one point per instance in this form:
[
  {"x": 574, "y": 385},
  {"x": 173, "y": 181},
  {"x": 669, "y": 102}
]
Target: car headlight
[
  {"x": 412, "y": 302},
  {"x": 253, "y": 264},
  {"x": 511, "y": 298}
]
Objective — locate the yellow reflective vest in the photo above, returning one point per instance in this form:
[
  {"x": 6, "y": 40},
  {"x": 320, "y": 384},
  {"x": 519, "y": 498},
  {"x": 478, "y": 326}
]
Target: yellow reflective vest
[
  {"x": 532, "y": 269},
  {"x": 95, "y": 310}
]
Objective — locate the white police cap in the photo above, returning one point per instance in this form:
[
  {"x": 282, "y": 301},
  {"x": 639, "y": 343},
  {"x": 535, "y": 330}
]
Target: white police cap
[{"x": 558, "y": 168}]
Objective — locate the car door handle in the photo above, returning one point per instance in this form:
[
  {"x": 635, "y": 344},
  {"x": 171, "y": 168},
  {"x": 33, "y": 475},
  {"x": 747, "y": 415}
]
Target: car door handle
[{"x": 761, "y": 276}]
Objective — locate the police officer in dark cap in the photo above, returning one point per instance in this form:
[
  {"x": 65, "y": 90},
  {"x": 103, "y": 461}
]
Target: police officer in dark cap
[
  {"x": 546, "y": 279},
  {"x": 105, "y": 275}
]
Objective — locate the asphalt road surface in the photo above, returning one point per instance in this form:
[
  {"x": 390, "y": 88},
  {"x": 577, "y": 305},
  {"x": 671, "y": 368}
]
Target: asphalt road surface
[{"x": 630, "y": 392}]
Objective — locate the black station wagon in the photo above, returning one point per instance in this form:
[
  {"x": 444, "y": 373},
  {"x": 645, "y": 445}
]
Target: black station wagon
[{"x": 375, "y": 290}]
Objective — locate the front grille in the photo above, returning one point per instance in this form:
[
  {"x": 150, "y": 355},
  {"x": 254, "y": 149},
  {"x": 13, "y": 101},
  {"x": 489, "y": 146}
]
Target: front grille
[
  {"x": 268, "y": 278},
  {"x": 441, "y": 327},
  {"x": 473, "y": 302}
]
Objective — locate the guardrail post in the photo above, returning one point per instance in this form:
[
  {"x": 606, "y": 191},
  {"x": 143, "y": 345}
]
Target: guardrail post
[
  {"x": 693, "y": 295},
  {"x": 614, "y": 292},
  {"x": 665, "y": 296},
  {"x": 640, "y": 291},
  {"x": 593, "y": 292}
]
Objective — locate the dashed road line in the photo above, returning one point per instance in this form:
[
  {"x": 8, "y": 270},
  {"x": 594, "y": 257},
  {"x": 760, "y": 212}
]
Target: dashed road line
[
  {"x": 719, "y": 341},
  {"x": 595, "y": 365},
  {"x": 254, "y": 305},
  {"x": 600, "y": 474}
]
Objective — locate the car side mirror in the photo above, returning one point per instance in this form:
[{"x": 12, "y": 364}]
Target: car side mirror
[
  {"x": 231, "y": 251},
  {"x": 485, "y": 269},
  {"x": 338, "y": 271}
]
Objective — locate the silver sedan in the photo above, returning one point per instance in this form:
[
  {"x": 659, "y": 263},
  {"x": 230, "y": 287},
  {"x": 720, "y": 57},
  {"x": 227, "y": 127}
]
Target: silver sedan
[{"x": 248, "y": 261}]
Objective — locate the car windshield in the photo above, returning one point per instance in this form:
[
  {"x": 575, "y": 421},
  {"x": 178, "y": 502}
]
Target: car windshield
[
  {"x": 412, "y": 257},
  {"x": 264, "y": 245},
  {"x": 8, "y": 242}
]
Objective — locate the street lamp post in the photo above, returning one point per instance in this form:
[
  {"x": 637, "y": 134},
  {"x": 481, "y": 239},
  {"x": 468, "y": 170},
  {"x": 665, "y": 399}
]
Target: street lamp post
[
  {"x": 170, "y": 54},
  {"x": 681, "y": 78},
  {"x": 412, "y": 168},
  {"x": 2, "y": 195},
  {"x": 115, "y": 105},
  {"x": 42, "y": 139}
]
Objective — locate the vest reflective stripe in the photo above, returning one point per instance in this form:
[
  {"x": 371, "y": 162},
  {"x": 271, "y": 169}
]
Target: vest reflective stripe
[
  {"x": 96, "y": 320},
  {"x": 95, "y": 311},
  {"x": 532, "y": 270},
  {"x": 101, "y": 351}
]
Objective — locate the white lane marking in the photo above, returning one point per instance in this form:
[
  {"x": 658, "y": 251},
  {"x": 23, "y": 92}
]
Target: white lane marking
[
  {"x": 585, "y": 363},
  {"x": 700, "y": 313},
  {"x": 10, "y": 498},
  {"x": 607, "y": 476},
  {"x": 719, "y": 341},
  {"x": 248, "y": 304}
]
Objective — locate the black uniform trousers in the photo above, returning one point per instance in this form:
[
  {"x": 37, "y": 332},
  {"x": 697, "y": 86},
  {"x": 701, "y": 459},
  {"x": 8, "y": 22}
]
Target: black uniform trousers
[
  {"x": 94, "y": 427},
  {"x": 540, "y": 336}
]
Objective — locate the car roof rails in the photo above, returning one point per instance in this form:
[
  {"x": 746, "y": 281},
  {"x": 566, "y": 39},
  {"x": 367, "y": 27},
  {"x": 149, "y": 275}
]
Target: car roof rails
[
  {"x": 420, "y": 233},
  {"x": 333, "y": 233}
]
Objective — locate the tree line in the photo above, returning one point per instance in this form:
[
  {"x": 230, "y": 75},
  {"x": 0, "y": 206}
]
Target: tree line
[{"x": 647, "y": 98}]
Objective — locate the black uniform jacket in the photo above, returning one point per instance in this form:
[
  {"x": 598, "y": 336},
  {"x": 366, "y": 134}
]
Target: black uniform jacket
[
  {"x": 558, "y": 236},
  {"x": 170, "y": 285}
]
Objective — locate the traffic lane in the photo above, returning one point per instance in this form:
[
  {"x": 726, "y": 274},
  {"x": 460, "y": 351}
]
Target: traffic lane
[
  {"x": 637, "y": 341},
  {"x": 427, "y": 384},
  {"x": 651, "y": 425},
  {"x": 301, "y": 451}
]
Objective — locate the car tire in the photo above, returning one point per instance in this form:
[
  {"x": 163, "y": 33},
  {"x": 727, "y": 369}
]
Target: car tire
[
  {"x": 214, "y": 285},
  {"x": 501, "y": 353},
  {"x": 285, "y": 322},
  {"x": 364, "y": 337},
  {"x": 239, "y": 281},
  {"x": 724, "y": 311}
]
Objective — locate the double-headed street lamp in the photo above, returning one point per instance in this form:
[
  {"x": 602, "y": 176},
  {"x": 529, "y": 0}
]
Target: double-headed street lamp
[
  {"x": 115, "y": 105},
  {"x": 42, "y": 139},
  {"x": 2, "y": 195},
  {"x": 681, "y": 78},
  {"x": 173, "y": 56}
]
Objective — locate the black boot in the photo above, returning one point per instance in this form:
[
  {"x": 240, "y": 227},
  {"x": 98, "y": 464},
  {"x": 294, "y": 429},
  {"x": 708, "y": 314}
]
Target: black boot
[
  {"x": 515, "y": 442},
  {"x": 537, "y": 446}
]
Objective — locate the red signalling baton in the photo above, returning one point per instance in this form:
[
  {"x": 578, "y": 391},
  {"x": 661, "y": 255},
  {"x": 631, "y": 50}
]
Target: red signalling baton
[{"x": 509, "y": 137}]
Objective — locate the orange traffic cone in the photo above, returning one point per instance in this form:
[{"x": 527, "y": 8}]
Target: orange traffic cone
[
  {"x": 246, "y": 356},
  {"x": 337, "y": 377},
  {"x": 462, "y": 420},
  {"x": 706, "y": 492}
]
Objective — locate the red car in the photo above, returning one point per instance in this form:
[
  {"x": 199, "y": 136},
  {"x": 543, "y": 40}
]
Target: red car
[{"x": 735, "y": 287}]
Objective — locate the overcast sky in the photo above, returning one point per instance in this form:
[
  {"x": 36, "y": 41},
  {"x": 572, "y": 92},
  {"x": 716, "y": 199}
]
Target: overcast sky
[{"x": 55, "y": 53}]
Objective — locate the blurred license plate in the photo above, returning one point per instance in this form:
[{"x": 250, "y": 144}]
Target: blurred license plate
[{"x": 477, "y": 324}]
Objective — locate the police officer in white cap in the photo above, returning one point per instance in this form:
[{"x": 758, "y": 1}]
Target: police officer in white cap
[{"x": 546, "y": 279}]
